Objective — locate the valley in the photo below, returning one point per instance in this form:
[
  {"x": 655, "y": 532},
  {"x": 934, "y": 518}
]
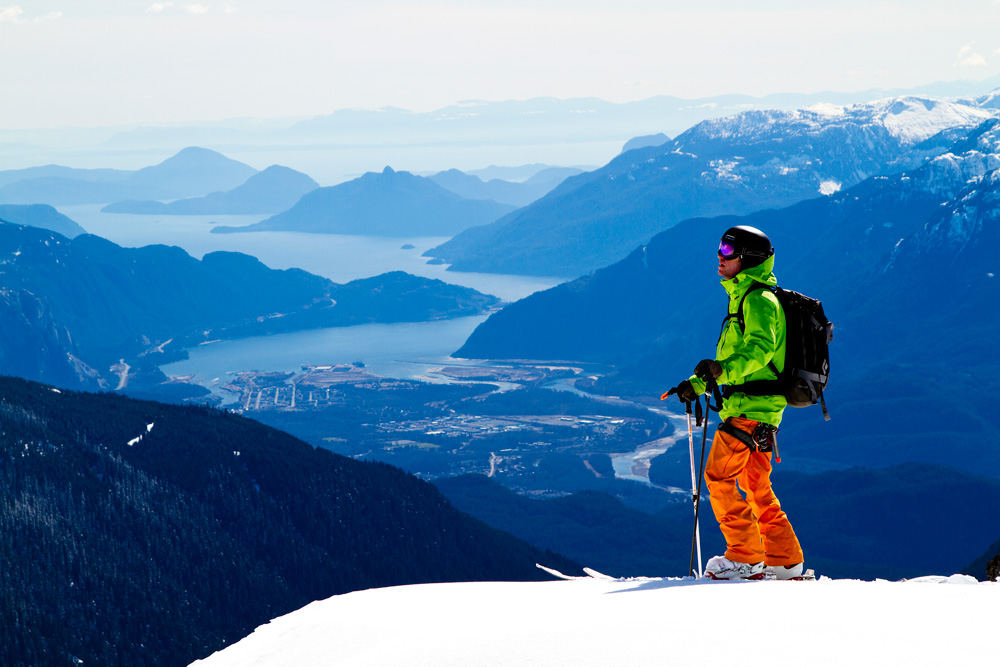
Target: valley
[{"x": 514, "y": 422}]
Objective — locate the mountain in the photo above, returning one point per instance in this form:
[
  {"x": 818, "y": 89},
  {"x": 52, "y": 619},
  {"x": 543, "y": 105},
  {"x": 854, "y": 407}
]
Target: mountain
[
  {"x": 505, "y": 192},
  {"x": 9, "y": 176},
  {"x": 751, "y": 161},
  {"x": 35, "y": 345},
  {"x": 903, "y": 266},
  {"x": 270, "y": 191},
  {"x": 388, "y": 204},
  {"x": 121, "y": 302},
  {"x": 138, "y": 533},
  {"x": 518, "y": 174},
  {"x": 191, "y": 172},
  {"x": 637, "y": 622},
  {"x": 989, "y": 101},
  {"x": 645, "y": 141},
  {"x": 40, "y": 215}
]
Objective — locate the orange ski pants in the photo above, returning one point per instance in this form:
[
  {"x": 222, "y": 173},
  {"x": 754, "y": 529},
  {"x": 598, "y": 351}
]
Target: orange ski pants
[{"x": 755, "y": 528}]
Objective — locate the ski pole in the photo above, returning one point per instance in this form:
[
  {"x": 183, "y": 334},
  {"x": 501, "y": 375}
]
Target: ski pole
[
  {"x": 696, "y": 538},
  {"x": 701, "y": 475}
]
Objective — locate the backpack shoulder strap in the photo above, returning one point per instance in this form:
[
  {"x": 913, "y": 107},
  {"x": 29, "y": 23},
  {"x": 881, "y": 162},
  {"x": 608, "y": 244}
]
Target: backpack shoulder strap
[{"x": 738, "y": 315}]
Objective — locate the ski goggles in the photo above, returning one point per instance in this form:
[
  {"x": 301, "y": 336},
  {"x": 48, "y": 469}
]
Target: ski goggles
[{"x": 727, "y": 250}]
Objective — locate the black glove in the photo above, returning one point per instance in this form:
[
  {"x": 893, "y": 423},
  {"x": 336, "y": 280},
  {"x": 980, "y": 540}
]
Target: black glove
[
  {"x": 684, "y": 391},
  {"x": 708, "y": 368}
]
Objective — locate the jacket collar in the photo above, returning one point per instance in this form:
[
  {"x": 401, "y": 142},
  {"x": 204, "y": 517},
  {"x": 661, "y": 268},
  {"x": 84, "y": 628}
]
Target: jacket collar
[{"x": 762, "y": 273}]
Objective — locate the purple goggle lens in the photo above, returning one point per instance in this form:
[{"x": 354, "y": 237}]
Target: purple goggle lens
[{"x": 727, "y": 250}]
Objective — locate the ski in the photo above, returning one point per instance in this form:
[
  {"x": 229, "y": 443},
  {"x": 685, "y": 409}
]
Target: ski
[
  {"x": 598, "y": 575},
  {"x": 593, "y": 575},
  {"x": 808, "y": 575},
  {"x": 558, "y": 574}
]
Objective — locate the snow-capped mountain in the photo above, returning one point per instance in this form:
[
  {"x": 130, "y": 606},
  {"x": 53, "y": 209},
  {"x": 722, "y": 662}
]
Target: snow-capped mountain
[
  {"x": 595, "y": 623},
  {"x": 909, "y": 120},
  {"x": 750, "y": 161},
  {"x": 990, "y": 100}
]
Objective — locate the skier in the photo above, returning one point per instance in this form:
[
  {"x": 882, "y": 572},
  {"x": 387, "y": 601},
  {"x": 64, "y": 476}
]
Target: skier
[{"x": 751, "y": 347}]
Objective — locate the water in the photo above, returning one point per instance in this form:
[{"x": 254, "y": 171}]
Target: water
[
  {"x": 339, "y": 257},
  {"x": 402, "y": 350},
  {"x": 634, "y": 465},
  {"x": 392, "y": 350}
]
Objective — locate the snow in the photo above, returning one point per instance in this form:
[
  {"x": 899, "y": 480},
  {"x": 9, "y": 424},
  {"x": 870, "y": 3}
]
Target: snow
[
  {"x": 909, "y": 120},
  {"x": 913, "y": 119},
  {"x": 829, "y": 187},
  {"x": 596, "y": 623}
]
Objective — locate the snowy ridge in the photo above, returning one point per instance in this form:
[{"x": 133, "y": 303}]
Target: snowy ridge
[
  {"x": 908, "y": 120},
  {"x": 600, "y": 623},
  {"x": 990, "y": 100},
  {"x": 945, "y": 172},
  {"x": 965, "y": 217}
]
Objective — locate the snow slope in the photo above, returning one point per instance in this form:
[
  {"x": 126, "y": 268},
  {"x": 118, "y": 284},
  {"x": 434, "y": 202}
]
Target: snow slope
[{"x": 595, "y": 623}]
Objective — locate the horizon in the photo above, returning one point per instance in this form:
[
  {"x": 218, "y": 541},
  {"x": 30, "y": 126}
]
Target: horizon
[
  {"x": 988, "y": 85},
  {"x": 106, "y": 63}
]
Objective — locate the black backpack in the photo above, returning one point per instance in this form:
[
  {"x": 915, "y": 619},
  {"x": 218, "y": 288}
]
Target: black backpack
[{"x": 807, "y": 355}]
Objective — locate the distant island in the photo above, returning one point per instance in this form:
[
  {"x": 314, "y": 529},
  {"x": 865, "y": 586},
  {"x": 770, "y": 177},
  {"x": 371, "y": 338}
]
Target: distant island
[
  {"x": 390, "y": 203},
  {"x": 192, "y": 172},
  {"x": 275, "y": 189}
]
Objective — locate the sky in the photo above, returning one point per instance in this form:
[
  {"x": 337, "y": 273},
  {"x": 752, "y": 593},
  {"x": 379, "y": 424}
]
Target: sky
[{"x": 96, "y": 63}]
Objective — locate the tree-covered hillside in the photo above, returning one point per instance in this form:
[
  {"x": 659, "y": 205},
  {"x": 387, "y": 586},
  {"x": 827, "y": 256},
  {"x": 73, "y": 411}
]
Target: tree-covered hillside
[{"x": 137, "y": 533}]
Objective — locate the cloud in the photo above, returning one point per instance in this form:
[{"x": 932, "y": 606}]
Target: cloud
[
  {"x": 196, "y": 9},
  {"x": 157, "y": 7},
  {"x": 967, "y": 58},
  {"x": 51, "y": 16},
  {"x": 11, "y": 15}
]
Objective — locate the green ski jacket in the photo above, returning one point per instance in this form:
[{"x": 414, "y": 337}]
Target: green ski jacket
[{"x": 744, "y": 355}]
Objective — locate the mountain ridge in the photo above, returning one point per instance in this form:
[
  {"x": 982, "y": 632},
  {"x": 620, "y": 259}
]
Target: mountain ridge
[
  {"x": 735, "y": 165},
  {"x": 193, "y": 171},
  {"x": 391, "y": 203},
  {"x": 274, "y": 189}
]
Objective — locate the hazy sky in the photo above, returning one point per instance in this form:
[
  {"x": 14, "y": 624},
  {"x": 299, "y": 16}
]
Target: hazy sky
[{"x": 108, "y": 62}]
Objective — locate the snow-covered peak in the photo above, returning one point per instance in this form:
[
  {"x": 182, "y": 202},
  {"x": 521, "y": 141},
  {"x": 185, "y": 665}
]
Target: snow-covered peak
[
  {"x": 595, "y": 623},
  {"x": 914, "y": 119},
  {"x": 990, "y": 100},
  {"x": 908, "y": 120}
]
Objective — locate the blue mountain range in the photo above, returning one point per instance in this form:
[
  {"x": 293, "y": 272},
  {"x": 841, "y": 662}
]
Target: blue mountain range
[
  {"x": 272, "y": 190},
  {"x": 735, "y": 165},
  {"x": 390, "y": 203},
  {"x": 191, "y": 172}
]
